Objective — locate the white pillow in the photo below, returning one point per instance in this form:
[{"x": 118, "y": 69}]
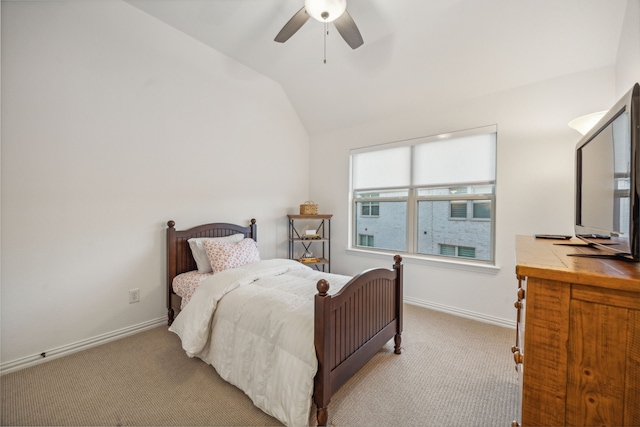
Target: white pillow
[
  {"x": 224, "y": 255},
  {"x": 199, "y": 254}
]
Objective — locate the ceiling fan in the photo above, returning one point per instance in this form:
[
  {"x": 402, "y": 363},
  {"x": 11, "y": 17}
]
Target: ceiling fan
[{"x": 325, "y": 11}]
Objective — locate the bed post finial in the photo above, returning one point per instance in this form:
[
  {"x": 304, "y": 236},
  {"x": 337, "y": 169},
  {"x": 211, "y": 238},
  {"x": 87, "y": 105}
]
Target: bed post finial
[
  {"x": 171, "y": 223},
  {"x": 323, "y": 287},
  {"x": 397, "y": 259},
  {"x": 253, "y": 220}
]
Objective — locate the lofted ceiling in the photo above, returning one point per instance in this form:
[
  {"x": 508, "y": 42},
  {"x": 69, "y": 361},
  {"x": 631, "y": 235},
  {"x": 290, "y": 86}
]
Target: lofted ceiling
[{"x": 415, "y": 53}]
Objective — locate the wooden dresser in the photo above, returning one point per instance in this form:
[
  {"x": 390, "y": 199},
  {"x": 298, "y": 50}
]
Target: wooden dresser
[{"x": 578, "y": 337}]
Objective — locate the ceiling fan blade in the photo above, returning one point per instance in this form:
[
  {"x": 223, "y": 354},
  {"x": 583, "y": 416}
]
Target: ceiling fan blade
[
  {"x": 348, "y": 30},
  {"x": 294, "y": 24}
]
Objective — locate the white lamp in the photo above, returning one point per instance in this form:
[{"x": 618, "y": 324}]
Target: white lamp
[
  {"x": 584, "y": 123},
  {"x": 325, "y": 10}
]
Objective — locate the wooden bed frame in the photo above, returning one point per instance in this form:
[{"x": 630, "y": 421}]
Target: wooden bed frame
[
  {"x": 350, "y": 326},
  {"x": 179, "y": 257}
]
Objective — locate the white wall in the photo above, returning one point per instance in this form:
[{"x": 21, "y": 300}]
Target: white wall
[
  {"x": 114, "y": 123},
  {"x": 534, "y": 183},
  {"x": 535, "y": 180},
  {"x": 628, "y": 58}
]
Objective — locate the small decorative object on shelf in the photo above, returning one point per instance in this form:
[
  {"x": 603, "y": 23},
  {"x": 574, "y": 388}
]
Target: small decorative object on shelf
[
  {"x": 308, "y": 208},
  {"x": 308, "y": 257},
  {"x": 307, "y": 231},
  {"x": 311, "y": 237}
]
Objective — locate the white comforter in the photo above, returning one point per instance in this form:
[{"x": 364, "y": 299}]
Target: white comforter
[{"x": 261, "y": 336}]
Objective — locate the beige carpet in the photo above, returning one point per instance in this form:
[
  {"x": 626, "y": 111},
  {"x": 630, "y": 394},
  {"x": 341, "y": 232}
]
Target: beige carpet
[{"x": 453, "y": 372}]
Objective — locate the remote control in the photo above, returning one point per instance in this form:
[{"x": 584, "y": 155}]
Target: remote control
[{"x": 553, "y": 236}]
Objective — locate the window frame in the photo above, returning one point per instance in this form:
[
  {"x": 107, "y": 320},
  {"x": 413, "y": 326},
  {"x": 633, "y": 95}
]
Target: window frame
[{"x": 413, "y": 198}]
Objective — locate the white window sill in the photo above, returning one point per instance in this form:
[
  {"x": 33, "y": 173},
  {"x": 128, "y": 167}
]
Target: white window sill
[{"x": 476, "y": 267}]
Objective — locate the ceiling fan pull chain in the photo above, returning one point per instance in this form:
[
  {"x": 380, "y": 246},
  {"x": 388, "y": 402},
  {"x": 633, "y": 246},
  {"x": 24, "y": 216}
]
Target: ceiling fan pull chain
[{"x": 326, "y": 31}]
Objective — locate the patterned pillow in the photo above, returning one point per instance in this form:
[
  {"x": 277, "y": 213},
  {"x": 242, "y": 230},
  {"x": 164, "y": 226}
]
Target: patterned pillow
[
  {"x": 185, "y": 284},
  {"x": 199, "y": 254},
  {"x": 224, "y": 255}
]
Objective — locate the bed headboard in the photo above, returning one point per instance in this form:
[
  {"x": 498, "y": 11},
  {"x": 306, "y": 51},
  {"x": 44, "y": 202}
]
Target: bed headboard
[{"x": 179, "y": 257}]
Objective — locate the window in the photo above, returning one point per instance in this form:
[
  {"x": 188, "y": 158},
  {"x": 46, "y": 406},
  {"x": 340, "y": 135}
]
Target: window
[
  {"x": 365, "y": 240},
  {"x": 447, "y": 250},
  {"x": 431, "y": 196},
  {"x": 466, "y": 252},
  {"x": 482, "y": 209},
  {"x": 370, "y": 208},
  {"x": 457, "y": 251},
  {"x": 387, "y": 227},
  {"x": 458, "y": 210}
]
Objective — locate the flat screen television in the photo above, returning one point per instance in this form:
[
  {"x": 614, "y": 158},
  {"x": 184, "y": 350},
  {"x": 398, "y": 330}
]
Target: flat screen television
[{"x": 608, "y": 181}]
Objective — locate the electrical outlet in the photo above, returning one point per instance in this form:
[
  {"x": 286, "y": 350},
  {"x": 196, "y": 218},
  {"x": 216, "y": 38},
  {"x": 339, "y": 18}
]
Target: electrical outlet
[{"x": 134, "y": 295}]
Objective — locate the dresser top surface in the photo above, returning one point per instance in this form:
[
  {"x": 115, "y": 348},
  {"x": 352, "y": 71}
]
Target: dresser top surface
[{"x": 550, "y": 259}]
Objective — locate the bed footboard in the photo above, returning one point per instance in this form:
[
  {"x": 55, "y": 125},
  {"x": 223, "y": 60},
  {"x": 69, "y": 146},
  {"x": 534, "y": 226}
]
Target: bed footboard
[{"x": 352, "y": 325}]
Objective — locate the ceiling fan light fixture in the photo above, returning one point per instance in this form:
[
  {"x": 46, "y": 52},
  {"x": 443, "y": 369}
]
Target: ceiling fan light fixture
[{"x": 325, "y": 10}]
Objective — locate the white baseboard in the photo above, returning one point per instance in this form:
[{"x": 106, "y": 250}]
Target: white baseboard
[
  {"x": 508, "y": 323},
  {"x": 66, "y": 350}
]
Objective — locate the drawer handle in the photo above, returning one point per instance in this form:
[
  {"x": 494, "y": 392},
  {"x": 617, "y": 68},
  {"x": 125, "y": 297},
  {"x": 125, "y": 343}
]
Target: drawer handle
[
  {"x": 517, "y": 357},
  {"x": 520, "y": 294},
  {"x": 518, "y": 304}
]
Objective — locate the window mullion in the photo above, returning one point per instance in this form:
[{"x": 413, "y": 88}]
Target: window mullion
[{"x": 412, "y": 207}]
